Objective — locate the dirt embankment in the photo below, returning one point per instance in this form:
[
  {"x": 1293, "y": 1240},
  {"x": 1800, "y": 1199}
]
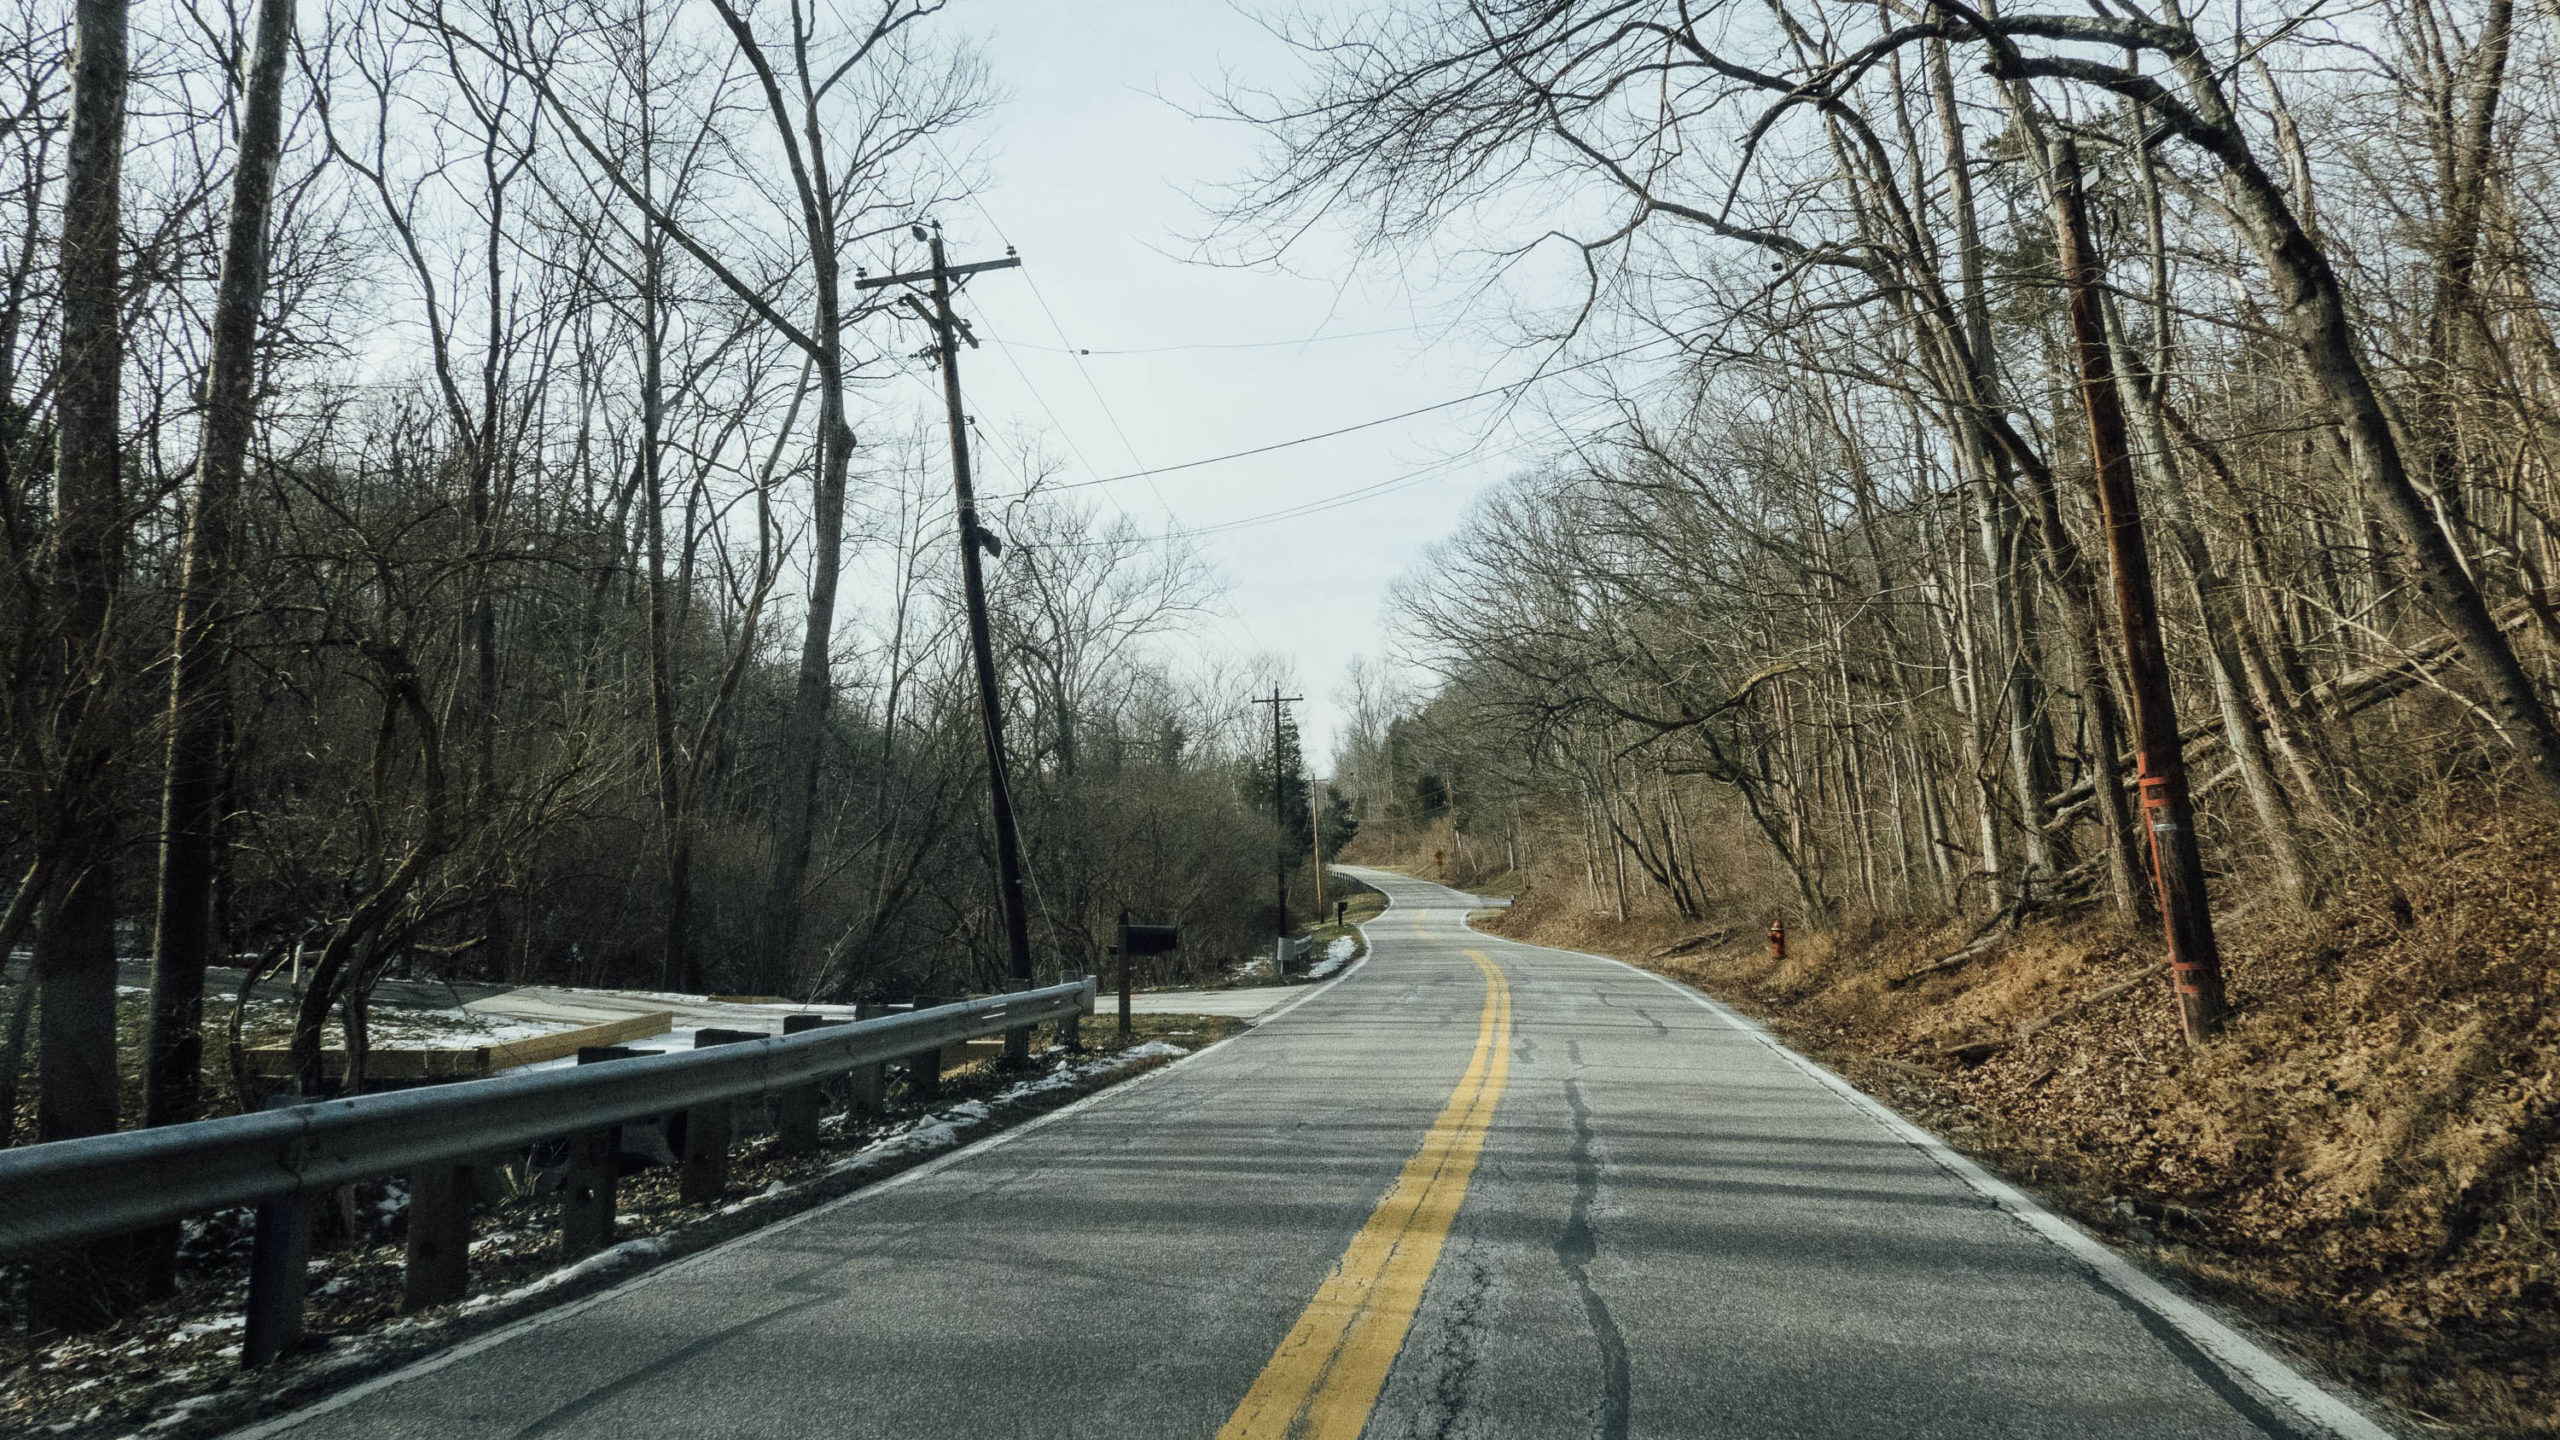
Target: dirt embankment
[{"x": 2365, "y": 1162}]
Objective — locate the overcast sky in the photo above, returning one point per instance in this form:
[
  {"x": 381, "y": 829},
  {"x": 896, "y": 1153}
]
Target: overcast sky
[{"x": 1096, "y": 176}]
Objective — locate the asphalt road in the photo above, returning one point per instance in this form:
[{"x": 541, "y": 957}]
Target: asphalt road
[{"x": 1474, "y": 1189}]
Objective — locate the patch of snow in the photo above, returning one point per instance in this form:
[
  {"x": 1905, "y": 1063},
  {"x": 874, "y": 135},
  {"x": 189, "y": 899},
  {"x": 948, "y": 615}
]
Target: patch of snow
[
  {"x": 648, "y": 1247},
  {"x": 934, "y": 1135},
  {"x": 390, "y": 1029},
  {"x": 199, "y": 1328},
  {"x": 177, "y": 1413},
  {"x": 1336, "y": 955}
]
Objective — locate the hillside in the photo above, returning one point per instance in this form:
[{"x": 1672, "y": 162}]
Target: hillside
[{"x": 2365, "y": 1160}]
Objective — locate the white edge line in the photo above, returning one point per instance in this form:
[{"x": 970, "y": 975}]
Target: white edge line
[
  {"x": 2240, "y": 1357},
  {"x": 417, "y": 1369}
]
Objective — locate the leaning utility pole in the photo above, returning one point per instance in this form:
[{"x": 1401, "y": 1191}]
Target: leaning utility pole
[
  {"x": 1279, "y": 812},
  {"x": 949, "y": 332},
  {"x": 2177, "y": 866},
  {"x": 1315, "y": 833}
]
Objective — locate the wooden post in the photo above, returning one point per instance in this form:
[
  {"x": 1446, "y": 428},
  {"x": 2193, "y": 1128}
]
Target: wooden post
[
  {"x": 437, "y": 1270},
  {"x": 869, "y": 1083},
  {"x": 279, "y": 1270},
  {"x": 1124, "y": 976},
  {"x": 924, "y": 1077},
  {"x": 704, "y": 1171},
  {"x": 2177, "y": 864},
  {"x": 795, "y": 1111},
  {"x": 924, "y": 1071},
  {"x": 587, "y": 1198}
]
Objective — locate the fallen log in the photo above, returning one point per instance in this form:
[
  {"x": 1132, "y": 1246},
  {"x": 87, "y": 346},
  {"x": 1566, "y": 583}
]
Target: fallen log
[
  {"x": 1983, "y": 939},
  {"x": 2028, "y": 1029},
  {"x": 2341, "y": 698},
  {"x": 1698, "y": 941}
]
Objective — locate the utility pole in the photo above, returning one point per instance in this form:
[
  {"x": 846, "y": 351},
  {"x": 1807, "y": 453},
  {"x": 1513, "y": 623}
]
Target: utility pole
[
  {"x": 1279, "y": 817},
  {"x": 1315, "y": 833},
  {"x": 2177, "y": 866},
  {"x": 949, "y": 331}
]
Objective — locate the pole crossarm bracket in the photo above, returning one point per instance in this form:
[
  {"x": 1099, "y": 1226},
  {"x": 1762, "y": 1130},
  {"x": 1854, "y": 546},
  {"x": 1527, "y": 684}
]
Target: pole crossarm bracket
[{"x": 954, "y": 272}]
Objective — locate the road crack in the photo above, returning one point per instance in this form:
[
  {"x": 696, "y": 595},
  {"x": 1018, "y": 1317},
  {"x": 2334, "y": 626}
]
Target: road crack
[
  {"x": 1575, "y": 1250},
  {"x": 1455, "y": 1362}
]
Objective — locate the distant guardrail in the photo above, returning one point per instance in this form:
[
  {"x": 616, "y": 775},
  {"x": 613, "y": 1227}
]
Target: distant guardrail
[{"x": 68, "y": 1191}]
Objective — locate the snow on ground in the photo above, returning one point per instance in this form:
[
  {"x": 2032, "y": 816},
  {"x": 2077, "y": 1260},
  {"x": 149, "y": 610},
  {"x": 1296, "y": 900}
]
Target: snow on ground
[
  {"x": 615, "y": 1257},
  {"x": 397, "y": 1027},
  {"x": 448, "y": 1029},
  {"x": 948, "y": 1128},
  {"x": 1336, "y": 955}
]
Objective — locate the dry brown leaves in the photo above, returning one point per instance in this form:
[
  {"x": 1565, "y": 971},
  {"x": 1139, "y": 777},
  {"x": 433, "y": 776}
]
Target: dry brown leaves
[{"x": 2366, "y": 1161}]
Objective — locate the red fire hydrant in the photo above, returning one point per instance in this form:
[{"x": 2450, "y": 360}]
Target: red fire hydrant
[{"x": 1777, "y": 940}]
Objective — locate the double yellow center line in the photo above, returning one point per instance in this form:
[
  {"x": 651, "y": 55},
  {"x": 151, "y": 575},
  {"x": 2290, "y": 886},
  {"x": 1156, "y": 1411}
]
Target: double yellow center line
[{"x": 1324, "y": 1379}]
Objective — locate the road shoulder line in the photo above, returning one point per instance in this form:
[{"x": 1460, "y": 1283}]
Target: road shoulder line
[{"x": 2263, "y": 1373}]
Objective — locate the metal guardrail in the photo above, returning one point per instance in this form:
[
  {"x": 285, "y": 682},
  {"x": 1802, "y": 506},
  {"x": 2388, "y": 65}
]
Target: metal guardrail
[{"x": 67, "y": 1191}]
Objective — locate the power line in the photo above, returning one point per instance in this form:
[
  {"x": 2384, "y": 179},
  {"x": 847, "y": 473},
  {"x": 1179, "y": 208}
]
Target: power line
[
  {"x": 1059, "y": 328},
  {"x": 1358, "y": 494},
  {"x": 1371, "y": 491},
  {"x": 1067, "y": 349},
  {"x": 1041, "y": 297},
  {"x": 1504, "y": 389}
]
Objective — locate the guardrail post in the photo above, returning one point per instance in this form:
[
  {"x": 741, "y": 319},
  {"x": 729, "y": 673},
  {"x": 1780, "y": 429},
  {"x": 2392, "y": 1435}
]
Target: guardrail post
[
  {"x": 587, "y": 1198},
  {"x": 795, "y": 1111},
  {"x": 704, "y": 1174},
  {"x": 924, "y": 1076},
  {"x": 588, "y": 1194},
  {"x": 924, "y": 1070},
  {"x": 279, "y": 1266},
  {"x": 437, "y": 1269},
  {"x": 279, "y": 1270},
  {"x": 869, "y": 1083}
]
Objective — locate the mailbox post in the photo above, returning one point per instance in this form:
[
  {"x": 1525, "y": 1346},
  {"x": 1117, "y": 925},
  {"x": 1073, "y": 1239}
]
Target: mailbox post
[{"x": 1140, "y": 940}]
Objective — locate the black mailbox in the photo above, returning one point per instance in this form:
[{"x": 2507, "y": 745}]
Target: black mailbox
[{"x": 1151, "y": 939}]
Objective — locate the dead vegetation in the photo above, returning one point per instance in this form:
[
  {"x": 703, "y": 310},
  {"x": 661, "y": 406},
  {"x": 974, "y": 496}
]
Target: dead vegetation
[{"x": 2366, "y": 1160}]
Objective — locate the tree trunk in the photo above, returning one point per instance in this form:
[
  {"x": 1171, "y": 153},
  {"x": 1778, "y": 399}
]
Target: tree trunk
[
  {"x": 75, "y": 948},
  {"x": 2218, "y": 606},
  {"x": 796, "y": 805},
  {"x": 184, "y": 940},
  {"x": 2031, "y": 765}
]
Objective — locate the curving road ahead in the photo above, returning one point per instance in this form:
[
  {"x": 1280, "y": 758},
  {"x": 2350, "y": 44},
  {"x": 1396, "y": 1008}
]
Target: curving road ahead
[{"x": 1475, "y": 1188}]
